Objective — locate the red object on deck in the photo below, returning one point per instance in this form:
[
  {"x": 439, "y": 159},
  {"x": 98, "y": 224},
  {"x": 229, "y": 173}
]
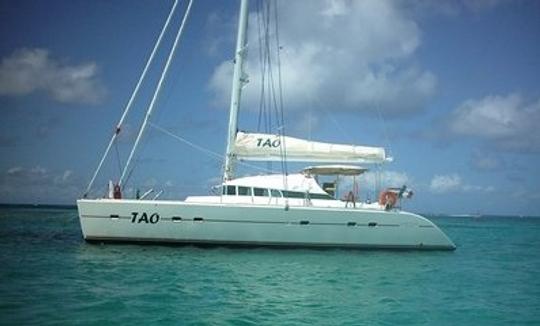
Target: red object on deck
[
  {"x": 117, "y": 193},
  {"x": 388, "y": 198}
]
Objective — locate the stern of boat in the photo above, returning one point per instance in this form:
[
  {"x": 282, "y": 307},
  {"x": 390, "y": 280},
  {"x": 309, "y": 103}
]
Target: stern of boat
[{"x": 433, "y": 236}]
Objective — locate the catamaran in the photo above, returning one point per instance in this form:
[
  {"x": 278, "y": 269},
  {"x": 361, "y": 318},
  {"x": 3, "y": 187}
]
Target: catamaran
[{"x": 281, "y": 209}]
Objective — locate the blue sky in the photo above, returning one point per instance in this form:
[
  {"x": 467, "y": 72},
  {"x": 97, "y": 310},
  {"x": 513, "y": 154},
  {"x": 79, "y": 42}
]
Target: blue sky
[{"x": 457, "y": 84}]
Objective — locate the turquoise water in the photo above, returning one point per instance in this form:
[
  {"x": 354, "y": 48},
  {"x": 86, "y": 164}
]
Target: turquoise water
[{"x": 49, "y": 275}]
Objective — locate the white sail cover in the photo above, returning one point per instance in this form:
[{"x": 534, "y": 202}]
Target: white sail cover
[{"x": 266, "y": 147}]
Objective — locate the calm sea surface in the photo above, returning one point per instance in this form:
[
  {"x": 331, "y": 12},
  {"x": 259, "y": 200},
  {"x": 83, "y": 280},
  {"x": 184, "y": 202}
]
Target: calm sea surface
[{"x": 49, "y": 275}]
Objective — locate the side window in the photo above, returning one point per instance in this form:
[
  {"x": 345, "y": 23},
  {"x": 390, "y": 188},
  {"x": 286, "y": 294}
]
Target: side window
[
  {"x": 260, "y": 192},
  {"x": 294, "y": 194},
  {"x": 244, "y": 191},
  {"x": 320, "y": 196},
  {"x": 231, "y": 190},
  {"x": 275, "y": 193}
]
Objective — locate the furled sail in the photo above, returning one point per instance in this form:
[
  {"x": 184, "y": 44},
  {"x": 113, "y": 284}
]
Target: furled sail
[{"x": 266, "y": 147}]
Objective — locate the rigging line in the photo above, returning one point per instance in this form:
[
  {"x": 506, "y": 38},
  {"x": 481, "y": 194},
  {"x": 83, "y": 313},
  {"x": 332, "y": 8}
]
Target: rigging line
[
  {"x": 137, "y": 161},
  {"x": 267, "y": 119},
  {"x": 268, "y": 63},
  {"x": 262, "y": 67},
  {"x": 270, "y": 80},
  {"x": 263, "y": 41},
  {"x": 339, "y": 127},
  {"x": 200, "y": 148},
  {"x": 118, "y": 157},
  {"x": 263, "y": 121},
  {"x": 316, "y": 99},
  {"x": 280, "y": 88},
  {"x": 129, "y": 174},
  {"x": 272, "y": 100},
  {"x": 385, "y": 129},
  {"x": 157, "y": 91},
  {"x": 130, "y": 102},
  {"x": 271, "y": 83},
  {"x": 187, "y": 142}
]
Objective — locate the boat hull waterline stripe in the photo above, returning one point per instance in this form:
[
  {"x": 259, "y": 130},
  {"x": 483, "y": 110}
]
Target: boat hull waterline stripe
[
  {"x": 263, "y": 244},
  {"x": 195, "y": 219}
]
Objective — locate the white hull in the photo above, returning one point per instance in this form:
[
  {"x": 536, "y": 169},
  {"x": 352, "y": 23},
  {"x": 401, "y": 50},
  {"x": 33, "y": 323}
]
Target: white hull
[{"x": 250, "y": 224}]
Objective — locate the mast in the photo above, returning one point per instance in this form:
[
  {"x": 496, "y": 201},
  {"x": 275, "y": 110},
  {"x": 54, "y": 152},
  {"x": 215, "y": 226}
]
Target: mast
[{"x": 239, "y": 80}]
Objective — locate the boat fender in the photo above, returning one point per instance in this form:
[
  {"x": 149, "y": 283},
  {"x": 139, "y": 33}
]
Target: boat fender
[
  {"x": 387, "y": 199},
  {"x": 117, "y": 192}
]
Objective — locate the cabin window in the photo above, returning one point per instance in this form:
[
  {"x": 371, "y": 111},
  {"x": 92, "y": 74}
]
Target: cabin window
[
  {"x": 330, "y": 188},
  {"x": 244, "y": 191},
  {"x": 231, "y": 190},
  {"x": 300, "y": 194},
  {"x": 275, "y": 193},
  {"x": 260, "y": 192},
  {"x": 320, "y": 196},
  {"x": 293, "y": 194}
]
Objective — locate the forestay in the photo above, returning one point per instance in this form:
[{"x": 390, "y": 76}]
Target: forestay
[{"x": 267, "y": 147}]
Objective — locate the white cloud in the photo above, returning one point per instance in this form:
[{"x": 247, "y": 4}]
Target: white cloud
[
  {"x": 508, "y": 122},
  {"x": 150, "y": 182},
  {"x": 476, "y": 188},
  {"x": 305, "y": 124},
  {"x": 352, "y": 55},
  {"x": 64, "y": 178},
  {"x": 453, "y": 183},
  {"x": 445, "y": 183},
  {"x": 38, "y": 184},
  {"x": 387, "y": 179},
  {"x": 32, "y": 70},
  {"x": 490, "y": 117},
  {"x": 526, "y": 195},
  {"x": 35, "y": 176},
  {"x": 480, "y": 5},
  {"x": 454, "y": 7},
  {"x": 486, "y": 162},
  {"x": 15, "y": 170}
]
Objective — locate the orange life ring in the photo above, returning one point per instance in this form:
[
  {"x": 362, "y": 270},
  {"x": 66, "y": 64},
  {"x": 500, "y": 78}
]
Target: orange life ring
[{"x": 387, "y": 199}]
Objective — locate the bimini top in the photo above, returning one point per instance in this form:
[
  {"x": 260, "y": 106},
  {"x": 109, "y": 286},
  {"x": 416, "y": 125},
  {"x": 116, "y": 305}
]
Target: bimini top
[
  {"x": 295, "y": 182},
  {"x": 334, "y": 170}
]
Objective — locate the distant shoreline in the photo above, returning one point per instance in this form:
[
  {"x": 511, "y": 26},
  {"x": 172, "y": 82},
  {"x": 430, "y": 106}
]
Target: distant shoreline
[{"x": 47, "y": 206}]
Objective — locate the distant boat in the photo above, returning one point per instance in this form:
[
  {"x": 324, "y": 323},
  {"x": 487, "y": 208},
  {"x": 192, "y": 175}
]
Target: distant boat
[{"x": 270, "y": 210}]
